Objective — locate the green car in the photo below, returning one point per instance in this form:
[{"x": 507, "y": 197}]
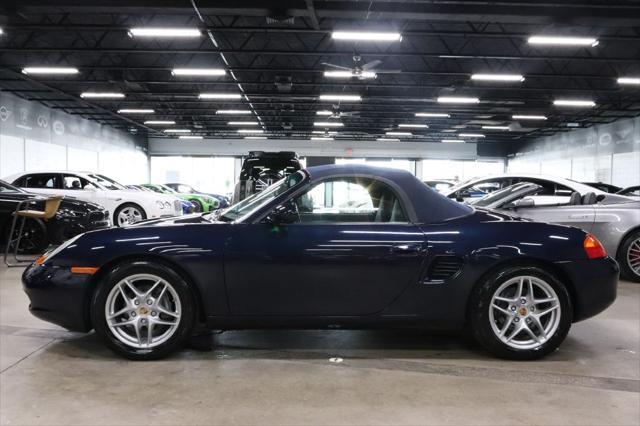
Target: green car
[{"x": 201, "y": 202}]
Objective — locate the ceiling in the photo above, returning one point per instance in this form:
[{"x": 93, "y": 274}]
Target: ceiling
[{"x": 274, "y": 54}]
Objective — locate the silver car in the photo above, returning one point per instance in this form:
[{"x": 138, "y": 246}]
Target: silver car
[{"x": 613, "y": 219}]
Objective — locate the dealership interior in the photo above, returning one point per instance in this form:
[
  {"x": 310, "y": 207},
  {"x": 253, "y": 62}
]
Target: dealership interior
[{"x": 202, "y": 118}]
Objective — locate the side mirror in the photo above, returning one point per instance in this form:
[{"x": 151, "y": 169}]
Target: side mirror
[{"x": 283, "y": 214}]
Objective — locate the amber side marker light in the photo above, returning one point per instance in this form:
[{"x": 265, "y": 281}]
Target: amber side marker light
[
  {"x": 593, "y": 247},
  {"x": 83, "y": 270},
  {"x": 39, "y": 261}
]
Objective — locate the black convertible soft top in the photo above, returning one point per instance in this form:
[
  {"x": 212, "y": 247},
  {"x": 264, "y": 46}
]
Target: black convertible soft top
[{"x": 428, "y": 205}]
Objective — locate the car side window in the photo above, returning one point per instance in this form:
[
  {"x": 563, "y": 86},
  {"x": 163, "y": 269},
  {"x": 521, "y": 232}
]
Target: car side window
[
  {"x": 41, "y": 180},
  {"x": 73, "y": 182},
  {"x": 345, "y": 200}
]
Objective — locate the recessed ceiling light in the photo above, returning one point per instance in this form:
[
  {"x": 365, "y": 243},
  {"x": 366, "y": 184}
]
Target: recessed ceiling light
[
  {"x": 198, "y": 71},
  {"x": 317, "y": 138},
  {"x": 190, "y": 137},
  {"x": 49, "y": 70},
  {"x": 233, "y": 111},
  {"x": 255, "y": 137},
  {"x": 325, "y": 112},
  {"x": 101, "y": 95},
  {"x": 164, "y": 32},
  {"x": 322, "y": 132},
  {"x": 135, "y": 111},
  {"x": 398, "y": 133},
  {"x": 177, "y": 131},
  {"x": 388, "y": 139},
  {"x": 457, "y": 100},
  {"x": 243, "y": 123},
  {"x": 497, "y": 77},
  {"x": 329, "y": 97},
  {"x": 564, "y": 41},
  {"x": 160, "y": 122},
  {"x": 629, "y": 80},
  {"x": 349, "y": 74},
  {"x": 574, "y": 103},
  {"x": 413, "y": 126},
  {"x": 220, "y": 96},
  {"x": 432, "y": 114},
  {"x": 328, "y": 124},
  {"x": 452, "y": 141},
  {"x": 366, "y": 36},
  {"x": 528, "y": 117},
  {"x": 471, "y": 135},
  {"x": 1, "y": 31},
  {"x": 250, "y": 131},
  {"x": 496, "y": 127}
]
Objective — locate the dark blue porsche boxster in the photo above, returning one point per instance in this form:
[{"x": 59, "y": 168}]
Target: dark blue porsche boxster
[{"x": 330, "y": 246}]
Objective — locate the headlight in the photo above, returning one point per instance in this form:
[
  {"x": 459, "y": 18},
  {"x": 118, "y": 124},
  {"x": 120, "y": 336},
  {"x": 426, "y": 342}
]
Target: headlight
[
  {"x": 160, "y": 205},
  {"x": 55, "y": 251}
]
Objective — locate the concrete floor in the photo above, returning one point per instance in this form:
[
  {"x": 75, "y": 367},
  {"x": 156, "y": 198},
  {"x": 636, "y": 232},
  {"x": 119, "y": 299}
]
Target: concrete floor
[{"x": 51, "y": 376}]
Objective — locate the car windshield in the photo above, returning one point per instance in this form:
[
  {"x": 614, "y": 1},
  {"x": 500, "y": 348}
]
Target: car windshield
[
  {"x": 168, "y": 190},
  {"x": 106, "y": 182},
  {"x": 256, "y": 201},
  {"x": 501, "y": 194},
  {"x": 5, "y": 187}
]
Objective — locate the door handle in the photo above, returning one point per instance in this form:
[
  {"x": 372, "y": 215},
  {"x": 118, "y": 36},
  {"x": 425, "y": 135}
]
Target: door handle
[{"x": 407, "y": 248}]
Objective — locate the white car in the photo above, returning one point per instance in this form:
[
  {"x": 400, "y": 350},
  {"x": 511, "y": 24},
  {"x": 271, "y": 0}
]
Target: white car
[{"x": 127, "y": 206}]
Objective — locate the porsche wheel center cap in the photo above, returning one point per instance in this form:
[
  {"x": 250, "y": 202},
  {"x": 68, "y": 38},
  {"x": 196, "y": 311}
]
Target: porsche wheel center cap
[
  {"x": 143, "y": 311},
  {"x": 523, "y": 311}
]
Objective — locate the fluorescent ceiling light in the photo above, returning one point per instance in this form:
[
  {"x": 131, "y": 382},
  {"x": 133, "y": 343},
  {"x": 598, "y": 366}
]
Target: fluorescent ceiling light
[
  {"x": 135, "y": 111},
  {"x": 220, "y": 96},
  {"x": 255, "y": 137},
  {"x": 233, "y": 111},
  {"x": 164, "y": 32},
  {"x": 316, "y": 138},
  {"x": 1, "y": 32},
  {"x": 242, "y": 123},
  {"x": 528, "y": 117},
  {"x": 49, "y": 70},
  {"x": 101, "y": 95},
  {"x": 177, "y": 131},
  {"x": 328, "y": 124},
  {"x": 355, "y": 98},
  {"x": 497, "y": 77},
  {"x": 366, "y": 36},
  {"x": 324, "y": 113},
  {"x": 564, "y": 41},
  {"x": 349, "y": 74},
  {"x": 250, "y": 131},
  {"x": 457, "y": 100},
  {"x": 432, "y": 114},
  {"x": 452, "y": 141},
  {"x": 388, "y": 139},
  {"x": 471, "y": 135},
  {"x": 496, "y": 127},
  {"x": 189, "y": 137},
  {"x": 575, "y": 103},
  {"x": 413, "y": 126},
  {"x": 629, "y": 80},
  {"x": 198, "y": 71},
  {"x": 162, "y": 122},
  {"x": 398, "y": 133},
  {"x": 322, "y": 132}
]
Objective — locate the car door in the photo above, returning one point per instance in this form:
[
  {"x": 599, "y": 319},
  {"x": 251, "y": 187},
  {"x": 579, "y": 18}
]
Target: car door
[
  {"x": 350, "y": 252},
  {"x": 79, "y": 187}
]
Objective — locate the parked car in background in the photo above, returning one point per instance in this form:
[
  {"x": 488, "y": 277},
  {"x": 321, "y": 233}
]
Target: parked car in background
[
  {"x": 439, "y": 185},
  {"x": 631, "y": 191},
  {"x": 261, "y": 169},
  {"x": 612, "y": 218},
  {"x": 182, "y": 188},
  {"x": 283, "y": 258},
  {"x": 128, "y": 206},
  {"x": 200, "y": 202},
  {"x": 606, "y": 187},
  {"x": 72, "y": 218}
]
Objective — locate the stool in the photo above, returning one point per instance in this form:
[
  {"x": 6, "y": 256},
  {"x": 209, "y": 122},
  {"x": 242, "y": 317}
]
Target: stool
[{"x": 51, "y": 206}]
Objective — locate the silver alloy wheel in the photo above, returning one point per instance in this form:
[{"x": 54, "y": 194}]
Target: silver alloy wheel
[
  {"x": 143, "y": 311},
  {"x": 524, "y": 312},
  {"x": 129, "y": 215},
  {"x": 633, "y": 256}
]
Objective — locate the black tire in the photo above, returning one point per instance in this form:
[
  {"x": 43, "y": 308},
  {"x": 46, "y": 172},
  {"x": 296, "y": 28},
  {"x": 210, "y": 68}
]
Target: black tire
[
  {"x": 34, "y": 240},
  {"x": 623, "y": 256},
  {"x": 479, "y": 320},
  {"x": 197, "y": 206},
  {"x": 116, "y": 214},
  {"x": 186, "y": 322}
]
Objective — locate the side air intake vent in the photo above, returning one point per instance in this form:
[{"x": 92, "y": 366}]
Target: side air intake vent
[{"x": 443, "y": 268}]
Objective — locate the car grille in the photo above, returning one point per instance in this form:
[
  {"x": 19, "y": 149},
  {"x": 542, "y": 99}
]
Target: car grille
[{"x": 442, "y": 268}]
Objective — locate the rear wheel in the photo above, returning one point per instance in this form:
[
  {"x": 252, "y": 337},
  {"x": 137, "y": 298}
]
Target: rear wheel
[
  {"x": 520, "y": 313},
  {"x": 143, "y": 310},
  {"x": 629, "y": 257}
]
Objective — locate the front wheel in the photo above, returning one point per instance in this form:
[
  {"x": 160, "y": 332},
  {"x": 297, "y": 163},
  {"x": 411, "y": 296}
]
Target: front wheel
[
  {"x": 197, "y": 206},
  {"x": 520, "y": 313},
  {"x": 629, "y": 257},
  {"x": 128, "y": 214},
  {"x": 143, "y": 310}
]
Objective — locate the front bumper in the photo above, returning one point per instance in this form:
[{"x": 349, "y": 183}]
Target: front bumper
[
  {"x": 595, "y": 284},
  {"x": 58, "y": 296}
]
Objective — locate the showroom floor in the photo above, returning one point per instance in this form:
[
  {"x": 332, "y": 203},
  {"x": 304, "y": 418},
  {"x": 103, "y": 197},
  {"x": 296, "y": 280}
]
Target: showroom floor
[{"x": 51, "y": 376}]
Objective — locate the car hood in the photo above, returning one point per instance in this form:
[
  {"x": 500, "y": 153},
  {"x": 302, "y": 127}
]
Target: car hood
[{"x": 175, "y": 220}]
